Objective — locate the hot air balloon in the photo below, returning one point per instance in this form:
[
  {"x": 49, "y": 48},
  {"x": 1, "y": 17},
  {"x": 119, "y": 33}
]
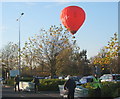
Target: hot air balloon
[{"x": 72, "y": 18}]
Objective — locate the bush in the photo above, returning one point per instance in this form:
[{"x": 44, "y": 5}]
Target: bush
[
  {"x": 109, "y": 89},
  {"x": 45, "y": 84},
  {"x": 10, "y": 82},
  {"x": 117, "y": 93},
  {"x": 26, "y": 79},
  {"x": 50, "y": 84}
]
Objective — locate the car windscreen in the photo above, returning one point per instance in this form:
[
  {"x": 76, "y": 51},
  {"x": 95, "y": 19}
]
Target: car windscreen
[{"x": 89, "y": 79}]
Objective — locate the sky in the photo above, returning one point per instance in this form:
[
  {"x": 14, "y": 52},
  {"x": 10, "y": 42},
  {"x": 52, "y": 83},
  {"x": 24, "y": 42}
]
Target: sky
[{"x": 100, "y": 24}]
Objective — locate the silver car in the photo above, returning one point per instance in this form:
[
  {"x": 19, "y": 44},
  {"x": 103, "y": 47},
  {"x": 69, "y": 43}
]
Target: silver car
[
  {"x": 86, "y": 79},
  {"x": 110, "y": 77},
  {"x": 79, "y": 92}
]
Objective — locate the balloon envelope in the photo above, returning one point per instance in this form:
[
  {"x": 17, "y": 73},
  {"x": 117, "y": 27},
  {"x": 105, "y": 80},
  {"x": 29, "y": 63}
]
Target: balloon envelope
[{"x": 72, "y": 18}]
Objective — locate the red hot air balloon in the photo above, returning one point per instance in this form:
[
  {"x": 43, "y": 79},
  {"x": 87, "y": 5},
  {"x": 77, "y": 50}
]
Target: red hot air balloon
[{"x": 72, "y": 18}]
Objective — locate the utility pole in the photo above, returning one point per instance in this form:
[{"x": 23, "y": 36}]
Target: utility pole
[{"x": 19, "y": 63}]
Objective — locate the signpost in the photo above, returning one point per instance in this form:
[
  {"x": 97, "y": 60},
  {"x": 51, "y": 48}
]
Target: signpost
[{"x": 13, "y": 73}]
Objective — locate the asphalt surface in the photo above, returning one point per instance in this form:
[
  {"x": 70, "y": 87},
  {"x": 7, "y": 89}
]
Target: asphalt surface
[{"x": 9, "y": 93}]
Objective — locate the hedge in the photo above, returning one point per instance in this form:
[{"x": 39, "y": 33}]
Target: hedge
[
  {"x": 45, "y": 84},
  {"x": 10, "y": 81},
  {"x": 108, "y": 89},
  {"x": 50, "y": 84},
  {"x": 26, "y": 79}
]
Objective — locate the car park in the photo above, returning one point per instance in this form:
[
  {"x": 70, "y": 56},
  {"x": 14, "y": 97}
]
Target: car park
[{"x": 110, "y": 77}]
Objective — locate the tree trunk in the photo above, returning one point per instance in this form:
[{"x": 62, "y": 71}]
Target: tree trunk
[{"x": 53, "y": 67}]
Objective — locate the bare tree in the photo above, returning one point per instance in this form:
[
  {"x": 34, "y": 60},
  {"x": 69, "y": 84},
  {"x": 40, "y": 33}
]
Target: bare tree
[
  {"x": 9, "y": 57},
  {"x": 44, "y": 48}
]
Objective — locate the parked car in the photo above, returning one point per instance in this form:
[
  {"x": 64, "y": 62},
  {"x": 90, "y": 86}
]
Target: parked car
[
  {"x": 26, "y": 86},
  {"x": 55, "y": 77},
  {"x": 80, "y": 92},
  {"x": 75, "y": 78},
  {"x": 1, "y": 79},
  {"x": 41, "y": 77},
  {"x": 66, "y": 78},
  {"x": 86, "y": 79},
  {"x": 110, "y": 77},
  {"x": 47, "y": 77},
  {"x": 61, "y": 77}
]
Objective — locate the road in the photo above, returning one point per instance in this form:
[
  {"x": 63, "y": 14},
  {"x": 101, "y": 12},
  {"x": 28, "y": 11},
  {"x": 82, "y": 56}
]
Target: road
[{"x": 8, "y": 93}]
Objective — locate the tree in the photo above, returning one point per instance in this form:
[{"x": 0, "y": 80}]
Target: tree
[
  {"x": 9, "y": 57},
  {"x": 107, "y": 58},
  {"x": 64, "y": 63},
  {"x": 44, "y": 48},
  {"x": 80, "y": 59},
  {"x": 113, "y": 48},
  {"x": 73, "y": 61},
  {"x": 101, "y": 61}
]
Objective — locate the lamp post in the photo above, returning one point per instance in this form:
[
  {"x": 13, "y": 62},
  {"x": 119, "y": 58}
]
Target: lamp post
[{"x": 19, "y": 63}]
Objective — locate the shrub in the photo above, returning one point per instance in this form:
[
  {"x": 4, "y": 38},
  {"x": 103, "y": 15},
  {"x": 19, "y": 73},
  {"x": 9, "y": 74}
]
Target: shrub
[
  {"x": 50, "y": 84},
  {"x": 117, "y": 93},
  {"x": 10, "y": 82},
  {"x": 109, "y": 89},
  {"x": 26, "y": 79},
  {"x": 45, "y": 84}
]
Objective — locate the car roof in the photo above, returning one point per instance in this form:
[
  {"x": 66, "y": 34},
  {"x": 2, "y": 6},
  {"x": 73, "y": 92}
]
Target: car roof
[
  {"x": 111, "y": 74},
  {"x": 87, "y": 76}
]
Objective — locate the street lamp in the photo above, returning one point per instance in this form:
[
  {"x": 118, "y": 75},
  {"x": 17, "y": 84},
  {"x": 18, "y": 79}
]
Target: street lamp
[{"x": 19, "y": 64}]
